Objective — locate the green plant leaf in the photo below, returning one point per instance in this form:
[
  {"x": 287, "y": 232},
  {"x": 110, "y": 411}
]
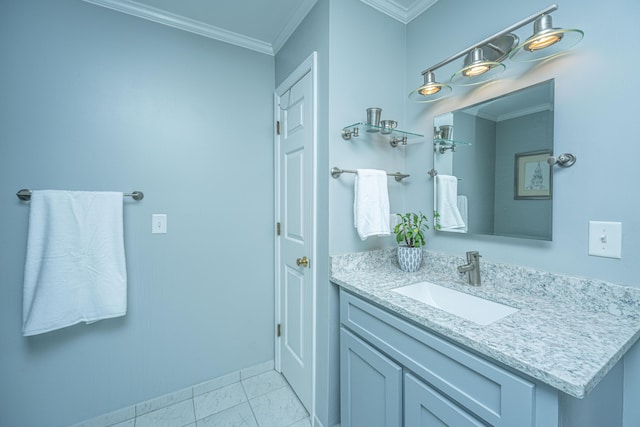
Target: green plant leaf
[{"x": 411, "y": 227}]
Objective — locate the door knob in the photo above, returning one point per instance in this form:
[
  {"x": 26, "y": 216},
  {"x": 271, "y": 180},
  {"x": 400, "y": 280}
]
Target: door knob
[{"x": 303, "y": 262}]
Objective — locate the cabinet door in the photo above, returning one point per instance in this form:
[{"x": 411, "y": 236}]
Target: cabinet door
[
  {"x": 370, "y": 385},
  {"x": 425, "y": 407}
]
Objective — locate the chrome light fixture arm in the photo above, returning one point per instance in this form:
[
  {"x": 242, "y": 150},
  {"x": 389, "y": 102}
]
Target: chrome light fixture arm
[
  {"x": 484, "y": 59},
  {"x": 489, "y": 39}
]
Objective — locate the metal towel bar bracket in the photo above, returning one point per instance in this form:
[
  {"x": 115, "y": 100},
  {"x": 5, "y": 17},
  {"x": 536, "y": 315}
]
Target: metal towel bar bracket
[
  {"x": 25, "y": 195},
  {"x": 432, "y": 173},
  {"x": 336, "y": 172},
  {"x": 564, "y": 160}
]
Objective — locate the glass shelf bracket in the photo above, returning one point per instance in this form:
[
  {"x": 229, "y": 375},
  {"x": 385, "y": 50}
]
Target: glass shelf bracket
[
  {"x": 396, "y": 136},
  {"x": 442, "y": 145}
]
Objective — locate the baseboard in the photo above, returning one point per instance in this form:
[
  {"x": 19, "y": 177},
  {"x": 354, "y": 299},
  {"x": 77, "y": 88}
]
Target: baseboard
[{"x": 130, "y": 412}]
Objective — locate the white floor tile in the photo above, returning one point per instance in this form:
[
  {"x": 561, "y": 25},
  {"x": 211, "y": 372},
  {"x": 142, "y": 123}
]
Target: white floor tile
[
  {"x": 263, "y": 399},
  {"x": 176, "y": 415},
  {"x": 278, "y": 408},
  {"x": 237, "y": 416},
  {"x": 218, "y": 400},
  {"x": 302, "y": 423},
  {"x": 111, "y": 418},
  {"x": 257, "y": 369},
  {"x": 216, "y": 383},
  {"x": 128, "y": 423},
  {"x": 263, "y": 383},
  {"x": 162, "y": 401}
]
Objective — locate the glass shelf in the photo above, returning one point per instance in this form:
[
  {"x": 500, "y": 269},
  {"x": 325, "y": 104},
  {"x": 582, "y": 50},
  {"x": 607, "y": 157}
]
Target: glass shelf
[
  {"x": 440, "y": 141},
  {"x": 442, "y": 145},
  {"x": 396, "y": 136}
]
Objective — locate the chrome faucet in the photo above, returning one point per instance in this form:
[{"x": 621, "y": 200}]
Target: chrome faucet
[{"x": 471, "y": 268}]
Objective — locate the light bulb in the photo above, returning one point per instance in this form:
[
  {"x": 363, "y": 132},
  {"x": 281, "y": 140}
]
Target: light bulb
[
  {"x": 542, "y": 42},
  {"x": 429, "y": 90},
  {"x": 475, "y": 70}
]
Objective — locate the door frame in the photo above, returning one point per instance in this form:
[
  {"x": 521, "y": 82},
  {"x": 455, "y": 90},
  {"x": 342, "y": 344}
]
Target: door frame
[{"x": 309, "y": 65}]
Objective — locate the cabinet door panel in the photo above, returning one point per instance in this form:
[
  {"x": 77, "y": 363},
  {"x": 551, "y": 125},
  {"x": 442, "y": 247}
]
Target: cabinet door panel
[
  {"x": 493, "y": 394},
  {"x": 425, "y": 407},
  {"x": 370, "y": 384}
]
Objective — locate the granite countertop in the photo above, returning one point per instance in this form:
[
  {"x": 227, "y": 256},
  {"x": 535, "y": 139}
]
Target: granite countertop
[{"x": 568, "y": 333}]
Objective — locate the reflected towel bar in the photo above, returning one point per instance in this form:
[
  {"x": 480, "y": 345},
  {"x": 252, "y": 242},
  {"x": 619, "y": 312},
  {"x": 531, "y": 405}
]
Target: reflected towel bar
[
  {"x": 432, "y": 173},
  {"x": 336, "y": 172},
  {"x": 25, "y": 195}
]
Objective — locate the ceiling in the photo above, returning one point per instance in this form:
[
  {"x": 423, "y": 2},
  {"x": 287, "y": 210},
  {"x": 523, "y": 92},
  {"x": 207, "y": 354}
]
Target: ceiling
[{"x": 260, "y": 25}]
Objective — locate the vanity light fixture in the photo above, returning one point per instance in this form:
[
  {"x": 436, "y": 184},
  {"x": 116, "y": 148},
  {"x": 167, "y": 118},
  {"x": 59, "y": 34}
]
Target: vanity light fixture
[
  {"x": 546, "y": 41},
  {"x": 476, "y": 69},
  {"x": 483, "y": 60},
  {"x": 431, "y": 90}
]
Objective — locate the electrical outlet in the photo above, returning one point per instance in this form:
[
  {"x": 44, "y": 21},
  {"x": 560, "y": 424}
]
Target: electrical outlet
[
  {"x": 605, "y": 239},
  {"x": 158, "y": 223}
]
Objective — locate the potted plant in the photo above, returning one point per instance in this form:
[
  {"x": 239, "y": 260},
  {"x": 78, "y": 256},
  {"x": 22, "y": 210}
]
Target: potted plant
[{"x": 409, "y": 233}]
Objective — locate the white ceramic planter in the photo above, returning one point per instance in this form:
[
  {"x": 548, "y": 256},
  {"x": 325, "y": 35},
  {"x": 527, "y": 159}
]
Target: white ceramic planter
[{"x": 410, "y": 259}]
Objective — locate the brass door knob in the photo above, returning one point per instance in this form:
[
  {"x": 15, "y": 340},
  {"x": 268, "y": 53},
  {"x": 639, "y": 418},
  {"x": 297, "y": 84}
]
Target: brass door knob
[{"x": 303, "y": 262}]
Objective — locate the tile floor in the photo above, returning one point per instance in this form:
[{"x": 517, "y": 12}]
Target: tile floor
[{"x": 264, "y": 400}]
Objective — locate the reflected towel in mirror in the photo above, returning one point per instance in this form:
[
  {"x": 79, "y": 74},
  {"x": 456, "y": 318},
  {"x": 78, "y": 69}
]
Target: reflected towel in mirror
[{"x": 447, "y": 204}]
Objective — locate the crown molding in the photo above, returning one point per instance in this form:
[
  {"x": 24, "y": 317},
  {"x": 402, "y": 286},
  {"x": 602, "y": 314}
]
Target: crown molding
[
  {"x": 293, "y": 23},
  {"x": 399, "y": 12},
  {"x": 163, "y": 17}
]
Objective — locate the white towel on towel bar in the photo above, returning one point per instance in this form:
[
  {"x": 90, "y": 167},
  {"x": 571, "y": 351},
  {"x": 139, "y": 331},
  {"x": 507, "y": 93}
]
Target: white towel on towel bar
[
  {"x": 463, "y": 207},
  {"x": 447, "y": 203},
  {"x": 75, "y": 266},
  {"x": 371, "y": 203}
]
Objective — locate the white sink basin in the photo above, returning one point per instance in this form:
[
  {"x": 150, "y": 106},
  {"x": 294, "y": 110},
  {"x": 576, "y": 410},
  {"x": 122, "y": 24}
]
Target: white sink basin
[{"x": 469, "y": 307}]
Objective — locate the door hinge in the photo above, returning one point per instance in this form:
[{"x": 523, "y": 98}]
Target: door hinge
[
  {"x": 278, "y": 228},
  {"x": 278, "y": 127},
  {"x": 278, "y": 329}
]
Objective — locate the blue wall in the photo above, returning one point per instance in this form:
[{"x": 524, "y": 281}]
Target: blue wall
[{"x": 93, "y": 99}]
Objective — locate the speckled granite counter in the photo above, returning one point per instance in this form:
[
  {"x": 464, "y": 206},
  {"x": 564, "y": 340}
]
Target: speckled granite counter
[{"x": 568, "y": 333}]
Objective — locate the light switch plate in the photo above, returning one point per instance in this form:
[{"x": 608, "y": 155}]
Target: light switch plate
[
  {"x": 605, "y": 239},
  {"x": 158, "y": 223}
]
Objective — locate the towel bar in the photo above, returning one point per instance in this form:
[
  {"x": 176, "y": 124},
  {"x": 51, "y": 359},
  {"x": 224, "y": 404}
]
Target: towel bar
[
  {"x": 336, "y": 172},
  {"x": 432, "y": 173},
  {"x": 25, "y": 195}
]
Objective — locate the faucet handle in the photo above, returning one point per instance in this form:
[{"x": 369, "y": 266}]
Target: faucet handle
[{"x": 473, "y": 255}]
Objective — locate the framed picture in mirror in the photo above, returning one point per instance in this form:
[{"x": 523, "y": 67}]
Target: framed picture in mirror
[{"x": 532, "y": 175}]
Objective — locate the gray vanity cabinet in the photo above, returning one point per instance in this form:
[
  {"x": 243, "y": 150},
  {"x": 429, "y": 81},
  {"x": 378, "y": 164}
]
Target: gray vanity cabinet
[
  {"x": 425, "y": 407},
  {"x": 371, "y": 389},
  {"x": 440, "y": 383}
]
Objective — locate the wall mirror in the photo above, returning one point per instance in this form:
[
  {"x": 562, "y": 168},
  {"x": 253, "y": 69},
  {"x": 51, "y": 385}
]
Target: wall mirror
[{"x": 490, "y": 171}]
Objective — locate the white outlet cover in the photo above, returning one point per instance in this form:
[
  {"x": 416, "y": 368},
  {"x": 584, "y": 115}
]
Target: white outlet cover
[
  {"x": 158, "y": 223},
  {"x": 605, "y": 239}
]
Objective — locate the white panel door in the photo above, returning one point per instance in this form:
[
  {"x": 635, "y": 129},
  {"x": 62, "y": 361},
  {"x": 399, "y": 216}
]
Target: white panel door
[{"x": 295, "y": 163}]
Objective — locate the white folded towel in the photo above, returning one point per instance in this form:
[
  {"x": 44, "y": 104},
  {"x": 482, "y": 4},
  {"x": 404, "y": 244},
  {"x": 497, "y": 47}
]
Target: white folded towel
[
  {"x": 463, "y": 207},
  {"x": 75, "y": 266},
  {"x": 371, "y": 203},
  {"x": 447, "y": 203}
]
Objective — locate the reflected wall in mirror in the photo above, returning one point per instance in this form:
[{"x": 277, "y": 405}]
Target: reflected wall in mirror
[{"x": 476, "y": 154}]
